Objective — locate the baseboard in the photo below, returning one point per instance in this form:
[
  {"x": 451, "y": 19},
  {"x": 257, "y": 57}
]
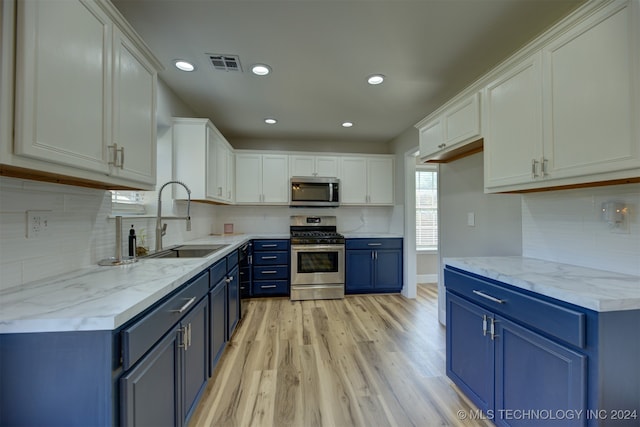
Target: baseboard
[{"x": 427, "y": 278}]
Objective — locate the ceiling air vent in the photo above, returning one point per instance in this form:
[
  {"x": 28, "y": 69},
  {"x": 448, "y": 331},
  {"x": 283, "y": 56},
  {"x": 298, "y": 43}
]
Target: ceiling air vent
[{"x": 225, "y": 62}]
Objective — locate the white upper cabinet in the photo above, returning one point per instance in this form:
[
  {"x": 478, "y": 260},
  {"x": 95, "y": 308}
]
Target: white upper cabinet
[
  {"x": 63, "y": 83},
  {"x": 203, "y": 160},
  {"x": 366, "y": 180},
  {"x": 261, "y": 178},
  {"x": 450, "y": 129},
  {"x": 591, "y": 101},
  {"x": 304, "y": 165},
  {"x": 513, "y": 127},
  {"x": 134, "y": 111},
  {"x": 85, "y": 96},
  {"x": 568, "y": 114}
]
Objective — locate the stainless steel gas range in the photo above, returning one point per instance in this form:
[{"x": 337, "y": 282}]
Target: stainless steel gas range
[{"x": 317, "y": 258}]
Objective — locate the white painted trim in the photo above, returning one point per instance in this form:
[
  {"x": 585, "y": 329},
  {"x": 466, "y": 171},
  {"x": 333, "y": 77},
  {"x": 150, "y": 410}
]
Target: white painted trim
[
  {"x": 410, "y": 266},
  {"x": 427, "y": 278}
]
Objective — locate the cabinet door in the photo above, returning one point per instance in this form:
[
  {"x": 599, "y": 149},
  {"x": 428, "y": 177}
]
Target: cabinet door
[
  {"x": 302, "y": 165},
  {"x": 358, "y": 271},
  {"x": 134, "y": 112},
  {"x": 592, "y": 87},
  {"x": 248, "y": 178},
  {"x": 63, "y": 84},
  {"x": 275, "y": 178},
  {"x": 462, "y": 120},
  {"x": 513, "y": 133},
  {"x": 326, "y": 166},
  {"x": 380, "y": 181},
  {"x": 534, "y": 373},
  {"x": 221, "y": 171},
  {"x": 431, "y": 137},
  {"x": 470, "y": 351},
  {"x": 218, "y": 321},
  {"x": 353, "y": 180},
  {"x": 388, "y": 270},
  {"x": 233, "y": 303},
  {"x": 149, "y": 392},
  {"x": 195, "y": 357}
]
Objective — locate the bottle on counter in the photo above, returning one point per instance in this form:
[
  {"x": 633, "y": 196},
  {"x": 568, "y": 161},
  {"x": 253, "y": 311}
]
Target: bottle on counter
[{"x": 132, "y": 242}]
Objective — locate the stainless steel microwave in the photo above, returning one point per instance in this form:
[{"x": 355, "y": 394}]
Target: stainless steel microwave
[{"x": 315, "y": 191}]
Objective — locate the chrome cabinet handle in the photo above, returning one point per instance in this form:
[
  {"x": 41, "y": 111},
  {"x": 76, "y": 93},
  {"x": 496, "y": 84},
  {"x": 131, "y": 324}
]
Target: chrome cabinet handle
[
  {"x": 267, "y": 286},
  {"x": 114, "y": 161},
  {"x": 374, "y": 244},
  {"x": 484, "y": 325},
  {"x": 534, "y": 168},
  {"x": 270, "y": 246},
  {"x": 543, "y": 164},
  {"x": 185, "y": 306},
  {"x": 269, "y": 257},
  {"x": 493, "y": 329},
  {"x": 269, "y": 272},
  {"x": 489, "y": 297},
  {"x": 121, "y": 157}
]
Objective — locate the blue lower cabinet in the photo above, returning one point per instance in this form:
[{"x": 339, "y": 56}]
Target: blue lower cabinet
[
  {"x": 470, "y": 351},
  {"x": 218, "y": 321},
  {"x": 233, "y": 298},
  {"x": 538, "y": 374},
  {"x": 373, "y": 265},
  {"x": 165, "y": 385},
  {"x": 526, "y": 359},
  {"x": 149, "y": 392}
]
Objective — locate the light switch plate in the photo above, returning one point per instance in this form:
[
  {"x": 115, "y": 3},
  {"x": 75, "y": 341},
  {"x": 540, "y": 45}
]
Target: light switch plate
[{"x": 471, "y": 219}]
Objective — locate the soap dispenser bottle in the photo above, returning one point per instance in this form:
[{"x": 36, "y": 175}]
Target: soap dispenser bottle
[{"x": 132, "y": 242}]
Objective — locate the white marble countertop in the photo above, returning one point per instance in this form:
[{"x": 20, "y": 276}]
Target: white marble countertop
[
  {"x": 103, "y": 298},
  {"x": 597, "y": 290}
]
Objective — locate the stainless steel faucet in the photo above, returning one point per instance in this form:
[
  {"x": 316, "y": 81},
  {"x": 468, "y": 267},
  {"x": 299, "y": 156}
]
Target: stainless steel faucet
[{"x": 161, "y": 229}]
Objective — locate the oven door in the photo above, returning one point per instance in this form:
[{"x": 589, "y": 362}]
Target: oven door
[{"x": 317, "y": 264}]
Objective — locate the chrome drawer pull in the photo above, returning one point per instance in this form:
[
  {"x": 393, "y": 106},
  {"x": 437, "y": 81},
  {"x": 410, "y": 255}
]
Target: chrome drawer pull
[
  {"x": 269, "y": 272},
  {"x": 267, "y": 286},
  {"x": 269, "y": 246},
  {"x": 489, "y": 297},
  {"x": 185, "y": 306},
  {"x": 374, "y": 244},
  {"x": 269, "y": 257}
]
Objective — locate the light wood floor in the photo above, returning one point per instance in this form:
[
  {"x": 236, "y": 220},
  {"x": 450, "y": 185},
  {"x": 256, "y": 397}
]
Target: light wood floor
[{"x": 376, "y": 360}]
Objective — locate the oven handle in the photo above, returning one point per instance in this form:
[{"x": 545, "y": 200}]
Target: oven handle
[{"x": 317, "y": 248}]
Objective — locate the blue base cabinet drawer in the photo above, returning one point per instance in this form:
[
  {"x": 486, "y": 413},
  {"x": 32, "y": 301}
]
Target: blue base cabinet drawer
[
  {"x": 270, "y": 269},
  {"x": 271, "y": 272},
  {"x": 270, "y": 287}
]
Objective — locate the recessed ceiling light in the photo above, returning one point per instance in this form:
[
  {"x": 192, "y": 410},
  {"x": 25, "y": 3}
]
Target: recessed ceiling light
[
  {"x": 260, "y": 69},
  {"x": 184, "y": 65},
  {"x": 270, "y": 121},
  {"x": 347, "y": 124},
  {"x": 375, "y": 79}
]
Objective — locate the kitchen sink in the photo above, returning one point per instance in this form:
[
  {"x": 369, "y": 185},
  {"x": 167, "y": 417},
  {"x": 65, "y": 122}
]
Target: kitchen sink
[{"x": 187, "y": 251}]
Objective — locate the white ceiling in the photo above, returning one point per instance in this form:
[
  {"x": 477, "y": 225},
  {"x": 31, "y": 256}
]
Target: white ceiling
[{"x": 321, "y": 52}]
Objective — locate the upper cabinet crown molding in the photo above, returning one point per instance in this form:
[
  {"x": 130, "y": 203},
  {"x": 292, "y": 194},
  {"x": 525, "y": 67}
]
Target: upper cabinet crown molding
[{"x": 84, "y": 116}]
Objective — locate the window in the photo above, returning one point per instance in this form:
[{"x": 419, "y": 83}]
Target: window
[
  {"x": 426, "y": 209},
  {"x": 127, "y": 202}
]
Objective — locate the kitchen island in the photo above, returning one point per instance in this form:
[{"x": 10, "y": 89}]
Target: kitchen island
[{"x": 557, "y": 342}]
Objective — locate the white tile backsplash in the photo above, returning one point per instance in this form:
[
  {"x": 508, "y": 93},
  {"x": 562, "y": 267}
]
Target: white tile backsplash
[
  {"x": 566, "y": 226},
  {"x": 82, "y": 229}
]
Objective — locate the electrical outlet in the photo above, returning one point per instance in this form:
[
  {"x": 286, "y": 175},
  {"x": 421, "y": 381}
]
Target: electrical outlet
[
  {"x": 471, "y": 219},
  {"x": 38, "y": 224}
]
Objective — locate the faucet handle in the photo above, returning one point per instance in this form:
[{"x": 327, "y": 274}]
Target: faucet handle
[{"x": 164, "y": 228}]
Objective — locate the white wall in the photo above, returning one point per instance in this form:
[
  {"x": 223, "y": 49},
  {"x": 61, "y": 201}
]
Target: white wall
[
  {"x": 498, "y": 219},
  {"x": 565, "y": 226},
  {"x": 275, "y": 219}
]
